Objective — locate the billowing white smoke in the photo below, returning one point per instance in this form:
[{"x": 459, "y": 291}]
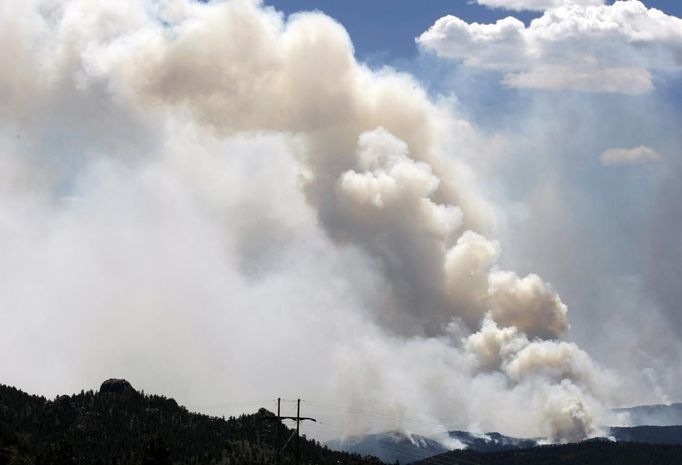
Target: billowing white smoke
[{"x": 202, "y": 187}]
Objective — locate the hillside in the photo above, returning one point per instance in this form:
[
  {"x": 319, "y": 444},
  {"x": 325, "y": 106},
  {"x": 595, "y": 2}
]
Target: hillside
[
  {"x": 390, "y": 447},
  {"x": 490, "y": 442},
  {"x": 396, "y": 446},
  {"x": 118, "y": 425},
  {"x": 594, "y": 452}
]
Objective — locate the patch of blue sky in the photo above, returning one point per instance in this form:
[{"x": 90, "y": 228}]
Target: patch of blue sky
[{"x": 383, "y": 31}]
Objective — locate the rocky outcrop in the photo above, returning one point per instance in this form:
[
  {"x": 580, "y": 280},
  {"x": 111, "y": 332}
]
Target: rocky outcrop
[{"x": 116, "y": 386}]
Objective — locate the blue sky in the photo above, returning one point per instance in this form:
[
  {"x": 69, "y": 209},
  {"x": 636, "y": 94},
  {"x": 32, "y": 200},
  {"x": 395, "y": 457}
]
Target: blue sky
[{"x": 385, "y": 29}]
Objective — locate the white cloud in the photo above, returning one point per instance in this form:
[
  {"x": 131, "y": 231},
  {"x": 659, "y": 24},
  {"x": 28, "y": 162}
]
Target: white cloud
[
  {"x": 535, "y": 5},
  {"x": 598, "y": 48},
  {"x": 634, "y": 156}
]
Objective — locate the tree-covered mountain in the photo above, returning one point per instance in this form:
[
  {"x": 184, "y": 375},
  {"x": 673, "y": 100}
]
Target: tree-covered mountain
[
  {"x": 593, "y": 452},
  {"x": 390, "y": 447},
  {"x": 490, "y": 442},
  {"x": 407, "y": 448},
  {"x": 396, "y": 446},
  {"x": 118, "y": 425}
]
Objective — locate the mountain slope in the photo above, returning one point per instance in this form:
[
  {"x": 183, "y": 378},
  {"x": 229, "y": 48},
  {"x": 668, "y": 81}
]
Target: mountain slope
[
  {"x": 390, "y": 447},
  {"x": 490, "y": 442},
  {"x": 407, "y": 449},
  {"x": 396, "y": 446}
]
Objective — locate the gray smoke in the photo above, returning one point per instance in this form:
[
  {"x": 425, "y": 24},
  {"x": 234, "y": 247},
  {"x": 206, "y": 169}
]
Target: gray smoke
[{"x": 215, "y": 198}]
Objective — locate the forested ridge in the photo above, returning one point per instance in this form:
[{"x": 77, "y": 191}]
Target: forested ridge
[{"x": 118, "y": 425}]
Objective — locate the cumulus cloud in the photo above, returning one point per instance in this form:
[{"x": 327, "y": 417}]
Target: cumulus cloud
[
  {"x": 181, "y": 205},
  {"x": 535, "y": 5},
  {"x": 635, "y": 156},
  {"x": 583, "y": 47}
]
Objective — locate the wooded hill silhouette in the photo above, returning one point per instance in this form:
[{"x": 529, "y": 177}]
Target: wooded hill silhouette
[{"x": 118, "y": 425}]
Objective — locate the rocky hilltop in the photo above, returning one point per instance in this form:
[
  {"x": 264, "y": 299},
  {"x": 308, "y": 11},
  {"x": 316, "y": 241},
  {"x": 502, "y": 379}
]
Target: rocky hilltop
[{"x": 119, "y": 425}]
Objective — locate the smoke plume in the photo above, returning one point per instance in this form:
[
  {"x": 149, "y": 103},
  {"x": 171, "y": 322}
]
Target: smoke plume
[{"x": 222, "y": 200}]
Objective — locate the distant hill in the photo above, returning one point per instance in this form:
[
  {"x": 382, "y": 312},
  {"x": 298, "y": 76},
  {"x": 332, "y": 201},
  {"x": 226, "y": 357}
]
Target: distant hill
[
  {"x": 396, "y": 446},
  {"x": 393, "y": 446},
  {"x": 594, "y": 452},
  {"x": 490, "y": 442},
  {"x": 119, "y": 425},
  {"x": 653, "y": 415},
  {"x": 390, "y": 447}
]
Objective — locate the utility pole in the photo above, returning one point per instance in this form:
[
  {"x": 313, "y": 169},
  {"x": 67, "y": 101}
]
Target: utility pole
[
  {"x": 279, "y": 421},
  {"x": 298, "y": 436},
  {"x": 298, "y": 419}
]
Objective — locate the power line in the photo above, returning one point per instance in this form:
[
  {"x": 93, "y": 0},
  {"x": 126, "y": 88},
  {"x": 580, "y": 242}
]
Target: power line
[
  {"x": 324, "y": 405},
  {"x": 437, "y": 460},
  {"x": 245, "y": 403},
  {"x": 370, "y": 414},
  {"x": 298, "y": 419}
]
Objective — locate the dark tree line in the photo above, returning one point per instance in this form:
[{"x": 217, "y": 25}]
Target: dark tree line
[
  {"x": 129, "y": 428},
  {"x": 593, "y": 452}
]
